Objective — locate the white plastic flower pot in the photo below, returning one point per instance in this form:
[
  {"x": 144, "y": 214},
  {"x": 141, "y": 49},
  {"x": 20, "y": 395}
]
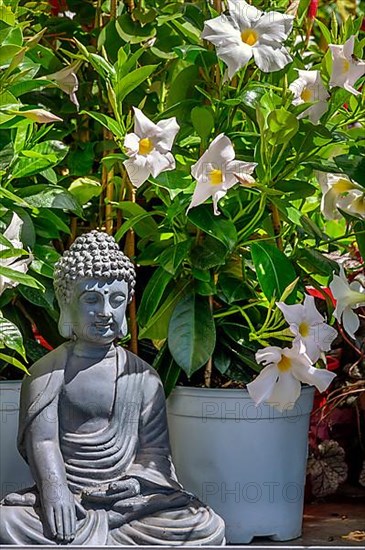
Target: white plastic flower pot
[
  {"x": 248, "y": 463},
  {"x": 14, "y": 472}
]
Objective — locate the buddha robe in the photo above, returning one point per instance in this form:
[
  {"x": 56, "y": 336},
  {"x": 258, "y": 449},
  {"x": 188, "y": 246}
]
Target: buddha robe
[{"x": 134, "y": 444}]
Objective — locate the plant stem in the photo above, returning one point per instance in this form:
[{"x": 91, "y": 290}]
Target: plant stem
[
  {"x": 209, "y": 366},
  {"x": 113, "y": 9},
  {"x": 275, "y": 216}
]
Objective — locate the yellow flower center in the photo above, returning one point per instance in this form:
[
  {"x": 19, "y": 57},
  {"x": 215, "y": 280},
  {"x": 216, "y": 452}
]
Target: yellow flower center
[
  {"x": 145, "y": 146},
  {"x": 304, "y": 329},
  {"x": 284, "y": 364},
  {"x": 306, "y": 95},
  {"x": 215, "y": 177},
  {"x": 345, "y": 66},
  {"x": 249, "y": 36},
  {"x": 343, "y": 185}
]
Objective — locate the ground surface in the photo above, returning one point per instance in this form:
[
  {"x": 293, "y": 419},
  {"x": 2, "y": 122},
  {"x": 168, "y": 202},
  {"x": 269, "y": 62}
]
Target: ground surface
[{"x": 338, "y": 525}]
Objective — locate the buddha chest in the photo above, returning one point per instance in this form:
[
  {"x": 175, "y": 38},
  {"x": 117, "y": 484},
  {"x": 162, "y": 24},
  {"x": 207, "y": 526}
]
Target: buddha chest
[{"x": 88, "y": 394}]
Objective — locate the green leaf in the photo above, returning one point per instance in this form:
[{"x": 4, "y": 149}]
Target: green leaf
[
  {"x": 157, "y": 326},
  {"x": 173, "y": 256},
  {"x": 314, "y": 262},
  {"x": 282, "y": 125},
  {"x": 326, "y": 33},
  {"x": 152, "y": 295},
  {"x": 210, "y": 254},
  {"x": 108, "y": 122},
  {"x": 191, "y": 336},
  {"x": 41, "y": 156},
  {"x": 353, "y": 166},
  {"x": 130, "y": 82},
  {"x": 7, "y": 53},
  {"x": 138, "y": 218},
  {"x": 14, "y": 362},
  {"x": 7, "y": 15},
  {"x": 273, "y": 269},
  {"x": 167, "y": 369},
  {"x": 85, "y": 188},
  {"x": 44, "y": 260},
  {"x": 233, "y": 289},
  {"x": 203, "y": 121},
  {"x": 35, "y": 296},
  {"x": 132, "y": 31},
  {"x": 11, "y": 336},
  {"x": 45, "y": 196},
  {"x": 19, "y": 277},
  {"x": 215, "y": 226}
]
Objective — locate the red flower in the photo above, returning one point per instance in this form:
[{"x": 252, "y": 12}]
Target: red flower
[
  {"x": 58, "y": 6},
  {"x": 321, "y": 294},
  {"x": 312, "y": 9}
]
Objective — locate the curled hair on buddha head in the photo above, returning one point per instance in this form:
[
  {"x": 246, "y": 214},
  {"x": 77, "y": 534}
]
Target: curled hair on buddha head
[{"x": 92, "y": 255}]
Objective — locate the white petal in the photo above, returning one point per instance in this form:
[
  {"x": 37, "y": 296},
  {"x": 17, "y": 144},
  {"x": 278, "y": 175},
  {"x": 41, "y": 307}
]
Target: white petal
[
  {"x": 159, "y": 162},
  {"x": 274, "y": 26},
  {"x": 245, "y": 15},
  {"x": 202, "y": 192},
  {"x": 324, "y": 335},
  {"x": 218, "y": 154},
  {"x": 12, "y": 232},
  {"x": 227, "y": 39},
  {"x": 310, "y": 347},
  {"x": 312, "y": 314},
  {"x": 292, "y": 313},
  {"x": 131, "y": 143},
  {"x": 285, "y": 393},
  {"x": 351, "y": 89},
  {"x": 143, "y": 126},
  {"x": 320, "y": 378},
  {"x": 219, "y": 194},
  {"x": 348, "y": 47},
  {"x": 350, "y": 322},
  {"x": 329, "y": 205},
  {"x": 169, "y": 128},
  {"x": 138, "y": 169},
  {"x": 356, "y": 71},
  {"x": 269, "y": 355},
  {"x": 262, "y": 387},
  {"x": 270, "y": 57},
  {"x": 315, "y": 112}
]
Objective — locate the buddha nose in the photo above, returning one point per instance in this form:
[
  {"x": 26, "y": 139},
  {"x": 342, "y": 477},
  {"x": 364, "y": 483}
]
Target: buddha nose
[{"x": 106, "y": 310}]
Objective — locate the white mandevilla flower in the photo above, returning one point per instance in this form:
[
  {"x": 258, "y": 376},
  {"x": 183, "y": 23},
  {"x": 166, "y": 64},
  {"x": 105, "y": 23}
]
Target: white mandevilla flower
[
  {"x": 149, "y": 147},
  {"x": 348, "y": 296},
  {"x": 279, "y": 383},
  {"x": 67, "y": 80},
  {"x": 308, "y": 88},
  {"x": 12, "y": 234},
  {"x": 346, "y": 69},
  {"x": 339, "y": 192},
  {"x": 216, "y": 171},
  {"x": 248, "y": 32},
  {"x": 308, "y": 327}
]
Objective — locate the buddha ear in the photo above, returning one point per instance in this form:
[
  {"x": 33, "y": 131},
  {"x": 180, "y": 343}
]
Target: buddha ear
[
  {"x": 65, "y": 323},
  {"x": 123, "y": 329}
]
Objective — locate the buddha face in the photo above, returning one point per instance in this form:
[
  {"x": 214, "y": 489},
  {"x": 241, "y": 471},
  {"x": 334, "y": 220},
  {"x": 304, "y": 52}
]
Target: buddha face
[{"x": 97, "y": 310}]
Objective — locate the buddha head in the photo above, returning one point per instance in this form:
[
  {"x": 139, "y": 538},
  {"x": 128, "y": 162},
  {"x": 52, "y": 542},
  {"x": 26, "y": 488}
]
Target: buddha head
[{"x": 94, "y": 282}]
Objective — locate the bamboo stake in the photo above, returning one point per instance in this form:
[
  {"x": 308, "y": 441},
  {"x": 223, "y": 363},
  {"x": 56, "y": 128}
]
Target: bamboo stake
[
  {"x": 130, "y": 250},
  {"x": 209, "y": 366}
]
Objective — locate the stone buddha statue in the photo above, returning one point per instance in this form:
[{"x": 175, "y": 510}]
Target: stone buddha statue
[{"x": 93, "y": 427}]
